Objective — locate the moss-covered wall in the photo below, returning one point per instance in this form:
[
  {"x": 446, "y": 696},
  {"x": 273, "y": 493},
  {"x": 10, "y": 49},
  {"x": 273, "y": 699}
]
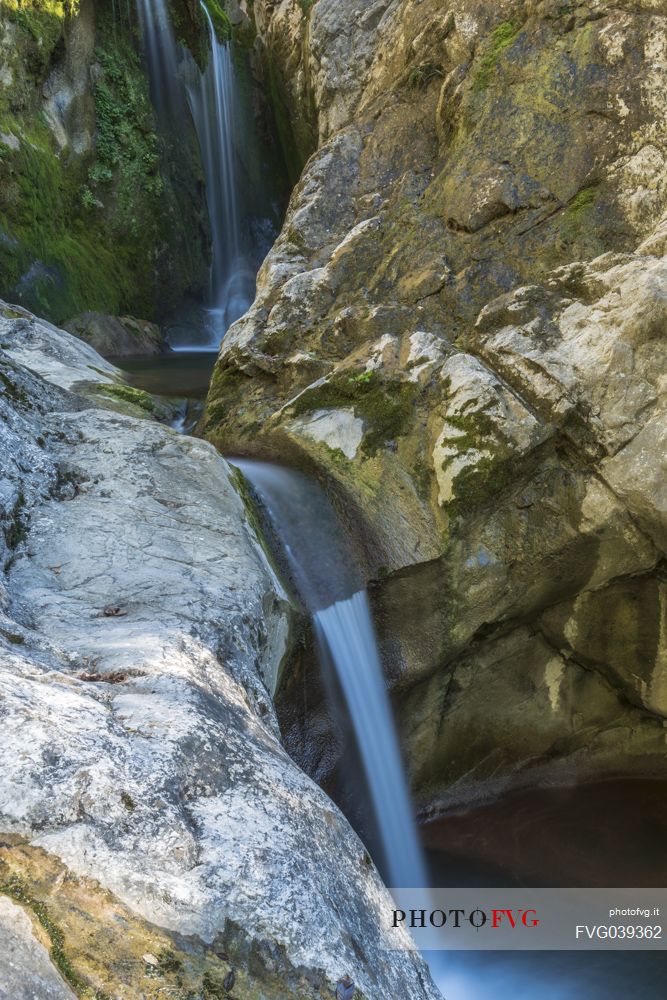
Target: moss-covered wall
[{"x": 97, "y": 209}]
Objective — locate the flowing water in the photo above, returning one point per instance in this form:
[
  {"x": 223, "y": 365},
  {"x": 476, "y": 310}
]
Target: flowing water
[
  {"x": 323, "y": 570},
  {"x": 214, "y": 102},
  {"x": 224, "y": 133},
  {"x": 345, "y": 631},
  {"x": 318, "y": 559},
  {"x": 163, "y": 57},
  {"x": 321, "y": 566}
]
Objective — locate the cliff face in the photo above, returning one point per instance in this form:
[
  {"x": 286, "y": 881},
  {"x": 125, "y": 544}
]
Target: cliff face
[
  {"x": 462, "y": 328},
  {"x": 98, "y": 209}
]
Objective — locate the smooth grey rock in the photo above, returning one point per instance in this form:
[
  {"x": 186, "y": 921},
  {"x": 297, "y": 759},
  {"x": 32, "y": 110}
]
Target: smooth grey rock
[
  {"x": 26, "y": 971},
  {"x": 117, "y": 336},
  {"x": 141, "y": 635}
]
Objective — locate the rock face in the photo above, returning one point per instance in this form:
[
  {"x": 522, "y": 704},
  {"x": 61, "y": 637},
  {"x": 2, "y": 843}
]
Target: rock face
[
  {"x": 143, "y": 784},
  {"x": 25, "y": 967},
  {"x": 117, "y": 336},
  {"x": 462, "y": 328}
]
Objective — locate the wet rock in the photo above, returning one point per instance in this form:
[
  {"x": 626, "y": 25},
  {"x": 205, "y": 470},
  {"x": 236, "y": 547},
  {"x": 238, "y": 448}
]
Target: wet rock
[
  {"x": 118, "y": 336},
  {"x": 477, "y": 248}
]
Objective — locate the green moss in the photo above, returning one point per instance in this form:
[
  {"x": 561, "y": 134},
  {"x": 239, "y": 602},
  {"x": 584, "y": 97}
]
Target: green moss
[
  {"x": 386, "y": 408},
  {"x": 484, "y": 479},
  {"x": 128, "y": 801},
  {"x": 99, "y": 231},
  {"x": 480, "y": 482},
  {"x": 12, "y": 637},
  {"x": 582, "y": 200},
  {"x": 501, "y": 38},
  {"x": 137, "y": 397},
  {"x": 220, "y": 18},
  {"x": 13, "y": 886},
  {"x": 14, "y": 391},
  {"x": 168, "y": 962},
  {"x": 15, "y": 532},
  {"x": 41, "y": 23}
]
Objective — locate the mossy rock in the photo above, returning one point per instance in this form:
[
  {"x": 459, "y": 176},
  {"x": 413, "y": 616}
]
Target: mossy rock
[
  {"x": 103, "y": 949},
  {"x": 100, "y": 230}
]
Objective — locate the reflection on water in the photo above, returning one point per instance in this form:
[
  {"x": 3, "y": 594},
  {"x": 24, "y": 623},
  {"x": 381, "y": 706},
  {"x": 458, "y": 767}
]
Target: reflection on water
[
  {"x": 184, "y": 374},
  {"x": 182, "y": 377},
  {"x": 611, "y": 833}
]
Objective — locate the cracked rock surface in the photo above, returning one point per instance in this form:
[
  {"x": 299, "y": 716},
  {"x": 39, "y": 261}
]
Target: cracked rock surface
[
  {"x": 461, "y": 328},
  {"x": 141, "y": 635}
]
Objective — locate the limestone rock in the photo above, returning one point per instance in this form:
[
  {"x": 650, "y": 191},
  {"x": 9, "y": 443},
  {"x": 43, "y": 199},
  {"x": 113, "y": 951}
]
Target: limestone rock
[
  {"x": 472, "y": 266},
  {"x": 142, "y": 634},
  {"x": 26, "y": 971},
  {"x": 117, "y": 336}
]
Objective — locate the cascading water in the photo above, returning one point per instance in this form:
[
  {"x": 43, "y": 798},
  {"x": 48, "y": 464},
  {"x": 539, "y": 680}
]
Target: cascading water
[
  {"x": 213, "y": 100},
  {"x": 163, "y": 57},
  {"x": 345, "y": 630},
  {"x": 214, "y": 105},
  {"x": 324, "y": 573}
]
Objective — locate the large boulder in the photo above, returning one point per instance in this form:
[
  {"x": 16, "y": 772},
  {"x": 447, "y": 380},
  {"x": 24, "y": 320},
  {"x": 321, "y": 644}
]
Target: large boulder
[
  {"x": 152, "y": 827},
  {"x": 461, "y": 328},
  {"x": 118, "y": 336}
]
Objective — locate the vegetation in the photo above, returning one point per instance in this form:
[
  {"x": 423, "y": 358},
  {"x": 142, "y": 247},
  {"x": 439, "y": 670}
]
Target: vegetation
[
  {"x": 220, "y": 18},
  {"x": 501, "y": 39},
  {"x": 420, "y": 76},
  {"x": 15, "y": 887},
  {"x": 126, "y": 394},
  {"x": 97, "y": 229},
  {"x": 385, "y": 408}
]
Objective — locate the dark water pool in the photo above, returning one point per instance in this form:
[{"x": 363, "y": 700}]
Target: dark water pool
[
  {"x": 552, "y": 975},
  {"x": 182, "y": 374},
  {"x": 611, "y": 833}
]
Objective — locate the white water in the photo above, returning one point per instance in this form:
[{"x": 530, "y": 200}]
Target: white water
[
  {"x": 322, "y": 567},
  {"x": 213, "y": 101},
  {"x": 346, "y": 631},
  {"x": 214, "y": 104},
  {"x": 163, "y": 56}
]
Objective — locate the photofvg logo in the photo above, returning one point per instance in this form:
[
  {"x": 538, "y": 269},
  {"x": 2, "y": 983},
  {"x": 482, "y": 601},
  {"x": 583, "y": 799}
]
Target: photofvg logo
[
  {"x": 527, "y": 919},
  {"x": 477, "y": 918}
]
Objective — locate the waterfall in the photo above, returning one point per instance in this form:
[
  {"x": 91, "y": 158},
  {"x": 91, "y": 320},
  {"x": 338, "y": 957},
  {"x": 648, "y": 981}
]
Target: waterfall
[
  {"x": 163, "y": 57},
  {"x": 212, "y": 97},
  {"x": 345, "y": 630},
  {"x": 214, "y": 104},
  {"x": 321, "y": 565}
]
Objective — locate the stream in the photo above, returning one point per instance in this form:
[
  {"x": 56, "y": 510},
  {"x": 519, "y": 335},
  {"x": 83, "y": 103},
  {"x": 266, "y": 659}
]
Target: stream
[{"x": 318, "y": 563}]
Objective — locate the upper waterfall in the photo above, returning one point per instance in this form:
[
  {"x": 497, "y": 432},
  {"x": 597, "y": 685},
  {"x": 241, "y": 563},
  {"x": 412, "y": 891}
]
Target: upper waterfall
[
  {"x": 214, "y": 102},
  {"x": 224, "y": 129}
]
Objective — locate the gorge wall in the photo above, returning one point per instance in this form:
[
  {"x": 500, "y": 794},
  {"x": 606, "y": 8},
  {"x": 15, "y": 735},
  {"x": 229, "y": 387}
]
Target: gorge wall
[{"x": 461, "y": 330}]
